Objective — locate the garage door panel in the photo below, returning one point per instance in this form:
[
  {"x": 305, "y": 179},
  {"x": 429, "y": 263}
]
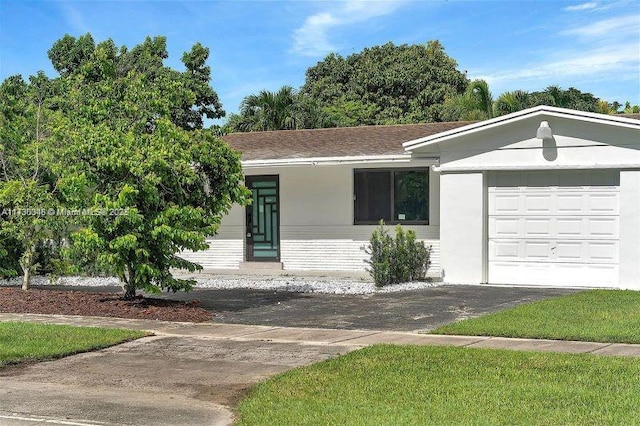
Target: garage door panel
[
  {"x": 603, "y": 252},
  {"x": 603, "y": 227},
  {"x": 603, "y": 203},
  {"x": 504, "y": 227},
  {"x": 570, "y": 227},
  {"x": 506, "y": 204},
  {"x": 569, "y": 203},
  {"x": 557, "y": 204},
  {"x": 554, "y": 274},
  {"x": 553, "y": 227},
  {"x": 538, "y": 204},
  {"x": 568, "y": 251},
  {"x": 504, "y": 250},
  {"x": 536, "y": 250},
  {"x": 541, "y": 227}
]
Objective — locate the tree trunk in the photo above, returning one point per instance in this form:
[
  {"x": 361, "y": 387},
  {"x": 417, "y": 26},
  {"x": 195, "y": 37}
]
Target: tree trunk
[
  {"x": 129, "y": 285},
  {"x": 26, "y": 262}
]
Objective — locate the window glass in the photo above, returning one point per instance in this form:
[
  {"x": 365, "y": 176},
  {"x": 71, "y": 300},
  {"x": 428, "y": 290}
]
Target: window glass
[
  {"x": 395, "y": 196},
  {"x": 410, "y": 201},
  {"x": 373, "y": 196}
]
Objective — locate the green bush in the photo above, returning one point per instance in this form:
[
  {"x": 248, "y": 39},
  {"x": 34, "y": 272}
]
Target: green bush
[{"x": 396, "y": 260}]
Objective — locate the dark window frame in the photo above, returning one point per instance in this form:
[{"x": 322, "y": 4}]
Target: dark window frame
[{"x": 391, "y": 171}]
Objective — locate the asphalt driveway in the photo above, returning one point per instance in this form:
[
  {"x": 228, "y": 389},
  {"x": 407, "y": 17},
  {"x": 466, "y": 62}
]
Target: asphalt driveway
[{"x": 415, "y": 310}]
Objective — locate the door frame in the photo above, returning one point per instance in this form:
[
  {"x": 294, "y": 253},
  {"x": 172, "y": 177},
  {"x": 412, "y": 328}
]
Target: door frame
[{"x": 248, "y": 240}]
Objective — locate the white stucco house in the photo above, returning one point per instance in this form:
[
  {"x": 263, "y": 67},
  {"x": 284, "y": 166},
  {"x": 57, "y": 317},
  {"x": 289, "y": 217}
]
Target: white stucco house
[{"x": 544, "y": 196}]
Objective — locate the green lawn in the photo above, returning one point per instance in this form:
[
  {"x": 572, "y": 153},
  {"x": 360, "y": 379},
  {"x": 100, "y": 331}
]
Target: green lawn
[
  {"x": 594, "y": 315},
  {"x": 390, "y": 385},
  {"x": 20, "y": 341}
]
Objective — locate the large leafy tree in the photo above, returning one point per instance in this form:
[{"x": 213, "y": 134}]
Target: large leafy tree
[
  {"x": 148, "y": 180},
  {"x": 29, "y": 193},
  {"x": 385, "y": 84}
]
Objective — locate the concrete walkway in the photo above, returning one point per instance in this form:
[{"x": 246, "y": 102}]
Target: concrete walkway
[
  {"x": 329, "y": 337},
  {"x": 195, "y": 374}
]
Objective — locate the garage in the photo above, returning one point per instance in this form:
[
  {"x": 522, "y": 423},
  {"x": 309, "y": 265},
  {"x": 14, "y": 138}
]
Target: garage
[
  {"x": 554, "y": 227},
  {"x": 541, "y": 197}
]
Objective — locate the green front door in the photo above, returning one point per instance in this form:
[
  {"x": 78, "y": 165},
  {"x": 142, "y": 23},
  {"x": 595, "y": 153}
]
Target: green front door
[{"x": 263, "y": 219}]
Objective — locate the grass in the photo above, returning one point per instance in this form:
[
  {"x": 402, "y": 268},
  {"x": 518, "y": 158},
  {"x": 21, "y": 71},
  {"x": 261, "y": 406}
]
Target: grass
[
  {"x": 594, "y": 315},
  {"x": 23, "y": 342},
  {"x": 387, "y": 384}
]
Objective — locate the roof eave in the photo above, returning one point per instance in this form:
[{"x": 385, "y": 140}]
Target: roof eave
[
  {"x": 317, "y": 161},
  {"x": 410, "y": 146}
]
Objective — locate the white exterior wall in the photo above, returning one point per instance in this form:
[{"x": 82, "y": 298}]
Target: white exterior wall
[
  {"x": 630, "y": 229},
  {"x": 515, "y": 147},
  {"x": 316, "y": 221},
  {"x": 576, "y": 145},
  {"x": 462, "y": 240}
]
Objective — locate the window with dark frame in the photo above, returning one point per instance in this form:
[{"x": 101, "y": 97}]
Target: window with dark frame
[{"x": 392, "y": 195}]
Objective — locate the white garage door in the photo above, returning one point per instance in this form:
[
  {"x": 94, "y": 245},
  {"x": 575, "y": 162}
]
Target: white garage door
[{"x": 554, "y": 228}]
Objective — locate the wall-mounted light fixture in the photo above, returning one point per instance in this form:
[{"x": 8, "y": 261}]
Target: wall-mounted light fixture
[{"x": 544, "y": 131}]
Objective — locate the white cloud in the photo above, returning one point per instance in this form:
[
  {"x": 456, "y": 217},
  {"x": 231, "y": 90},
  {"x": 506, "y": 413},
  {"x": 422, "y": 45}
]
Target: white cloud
[
  {"x": 596, "y": 51},
  {"x": 601, "y": 60},
  {"x": 583, "y": 6},
  {"x": 73, "y": 17},
  {"x": 618, "y": 26},
  {"x": 312, "y": 38}
]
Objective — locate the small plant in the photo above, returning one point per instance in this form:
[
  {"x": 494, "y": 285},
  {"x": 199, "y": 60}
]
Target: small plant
[{"x": 396, "y": 260}]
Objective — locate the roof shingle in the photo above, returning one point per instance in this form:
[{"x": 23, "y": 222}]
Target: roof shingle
[{"x": 332, "y": 142}]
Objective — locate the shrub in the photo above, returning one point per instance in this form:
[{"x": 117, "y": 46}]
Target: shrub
[{"x": 396, "y": 260}]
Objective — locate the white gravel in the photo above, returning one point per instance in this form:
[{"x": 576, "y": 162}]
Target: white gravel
[{"x": 329, "y": 285}]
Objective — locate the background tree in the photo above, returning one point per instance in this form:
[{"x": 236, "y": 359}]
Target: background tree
[
  {"x": 269, "y": 111},
  {"x": 28, "y": 175},
  {"x": 285, "y": 109},
  {"x": 514, "y": 101},
  {"x": 385, "y": 84},
  {"x": 476, "y": 103}
]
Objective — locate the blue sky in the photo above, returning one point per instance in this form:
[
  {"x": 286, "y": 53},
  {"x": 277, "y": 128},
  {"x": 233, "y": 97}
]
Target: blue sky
[{"x": 255, "y": 45}]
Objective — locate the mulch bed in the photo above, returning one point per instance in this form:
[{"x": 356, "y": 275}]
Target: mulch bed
[{"x": 45, "y": 301}]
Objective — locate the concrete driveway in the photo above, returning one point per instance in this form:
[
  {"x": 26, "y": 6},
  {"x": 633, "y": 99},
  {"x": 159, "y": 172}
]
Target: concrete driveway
[{"x": 159, "y": 380}]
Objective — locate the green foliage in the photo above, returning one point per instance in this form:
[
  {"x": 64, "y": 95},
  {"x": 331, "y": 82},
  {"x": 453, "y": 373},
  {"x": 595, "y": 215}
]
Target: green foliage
[
  {"x": 385, "y": 84},
  {"x": 629, "y": 109},
  {"x": 513, "y": 101},
  {"x": 117, "y": 140},
  {"x": 160, "y": 193},
  {"x": 285, "y": 109},
  {"x": 397, "y": 259},
  {"x": 475, "y": 104},
  {"x": 380, "y": 251},
  {"x": 28, "y": 179}
]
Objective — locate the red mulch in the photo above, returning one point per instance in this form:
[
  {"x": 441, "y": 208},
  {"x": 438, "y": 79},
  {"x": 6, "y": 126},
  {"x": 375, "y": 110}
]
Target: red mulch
[{"x": 44, "y": 301}]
